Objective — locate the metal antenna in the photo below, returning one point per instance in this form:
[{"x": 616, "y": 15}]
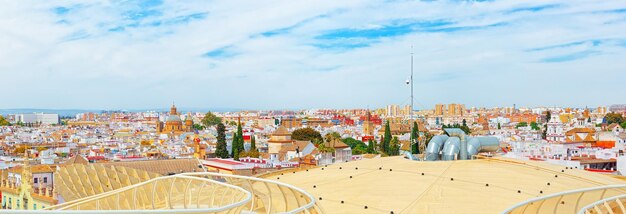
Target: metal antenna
[{"x": 411, "y": 111}]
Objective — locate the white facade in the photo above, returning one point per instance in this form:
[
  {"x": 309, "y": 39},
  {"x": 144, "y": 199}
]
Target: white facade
[
  {"x": 555, "y": 130},
  {"x": 46, "y": 119},
  {"x": 500, "y": 120}
]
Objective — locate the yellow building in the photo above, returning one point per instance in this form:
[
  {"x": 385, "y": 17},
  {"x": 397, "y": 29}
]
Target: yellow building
[
  {"x": 21, "y": 192},
  {"x": 566, "y": 118},
  {"x": 279, "y": 140},
  {"x": 455, "y": 109},
  {"x": 173, "y": 123},
  {"x": 199, "y": 149},
  {"x": 440, "y": 109}
]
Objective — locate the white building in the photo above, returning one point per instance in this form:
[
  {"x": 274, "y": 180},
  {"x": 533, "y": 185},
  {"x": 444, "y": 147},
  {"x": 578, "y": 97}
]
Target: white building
[
  {"x": 36, "y": 118},
  {"x": 555, "y": 130}
]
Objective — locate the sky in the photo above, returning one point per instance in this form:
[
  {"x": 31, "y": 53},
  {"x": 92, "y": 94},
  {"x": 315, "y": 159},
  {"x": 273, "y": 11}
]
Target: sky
[{"x": 310, "y": 54}]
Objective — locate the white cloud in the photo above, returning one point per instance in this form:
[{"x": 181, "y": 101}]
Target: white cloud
[{"x": 117, "y": 61}]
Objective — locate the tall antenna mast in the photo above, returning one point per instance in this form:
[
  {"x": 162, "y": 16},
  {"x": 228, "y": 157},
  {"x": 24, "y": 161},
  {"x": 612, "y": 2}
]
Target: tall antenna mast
[{"x": 411, "y": 110}]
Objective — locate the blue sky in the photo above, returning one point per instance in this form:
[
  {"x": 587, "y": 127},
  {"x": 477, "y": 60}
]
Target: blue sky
[{"x": 310, "y": 54}]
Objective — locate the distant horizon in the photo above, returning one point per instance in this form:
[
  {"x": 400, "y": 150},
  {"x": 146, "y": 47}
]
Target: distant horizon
[
  {"x": 305, "y": 55},
  {"x": 229, "y": 109}
]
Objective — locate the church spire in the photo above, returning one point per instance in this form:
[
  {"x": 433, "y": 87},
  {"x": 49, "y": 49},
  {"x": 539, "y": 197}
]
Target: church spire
[{"x": 173, "y": 110}]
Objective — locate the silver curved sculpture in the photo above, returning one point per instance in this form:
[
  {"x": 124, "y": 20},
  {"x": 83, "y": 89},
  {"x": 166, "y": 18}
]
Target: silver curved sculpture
[
  {"x": 451, "y": 148},
  {"x": 434, "y": 147},
  {"x": 459, "y": 146},
  {"x": 482, "y": 144}
]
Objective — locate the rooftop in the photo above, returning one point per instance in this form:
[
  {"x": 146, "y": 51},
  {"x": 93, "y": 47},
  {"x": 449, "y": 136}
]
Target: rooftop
[{"x": 396, "y": 184}]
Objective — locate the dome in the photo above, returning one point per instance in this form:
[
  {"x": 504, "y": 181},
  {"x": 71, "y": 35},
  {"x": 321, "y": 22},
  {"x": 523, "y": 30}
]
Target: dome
[{"x": 173, "y": 118}]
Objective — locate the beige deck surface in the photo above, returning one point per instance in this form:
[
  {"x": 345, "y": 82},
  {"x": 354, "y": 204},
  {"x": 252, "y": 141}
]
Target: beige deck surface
[{"x": 405, "y": 190}]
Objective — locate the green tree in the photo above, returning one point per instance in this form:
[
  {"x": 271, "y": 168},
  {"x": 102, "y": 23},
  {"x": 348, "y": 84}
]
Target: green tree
[
  {"x": 221, "y": 151},
  {"x": 611, "y": 118},
  {"x": 251, "y": 153},
  {"x": 415, "y": 147},
  {"x": 499, "y": 127},
  {"x": 210, "y": 119},
  {"x": 198, "y": 127},
  {"x": 534, "y": 125},
  {"x": 521, "y": 124},
  {"x": 387, "y": 138},
  {"x": 322, "y": 148},
  {"x": 240, "y": 147},
  {"x": 3, "y": 121},
  {"x": 234, "y": 146},
  {"x": 306, "y": 134},
  {"x": 253, "y": 143},
  {"x": 394, "y": 147},
  {"x": 236, "y": 153},
  {"x": 332, "y": 136},
  {"x": 357, "y": 146},
  {"x": 371, "y": 147}
]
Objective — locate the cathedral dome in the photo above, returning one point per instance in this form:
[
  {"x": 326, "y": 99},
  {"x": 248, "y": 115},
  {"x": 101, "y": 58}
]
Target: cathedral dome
[{"x": 173, "y": 118}]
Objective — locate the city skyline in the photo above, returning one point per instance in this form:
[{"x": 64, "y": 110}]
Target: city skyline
[{"x": 303, "y": 55}]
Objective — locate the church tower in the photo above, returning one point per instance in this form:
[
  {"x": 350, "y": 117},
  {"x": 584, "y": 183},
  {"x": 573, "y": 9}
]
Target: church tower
[
  {"x": 368, "y": 125},
  {"x": 555, "y": 128},
  {"x": 173, "y": 110},
  {"x": 173, "y": 123},
  {"x": 188, "y": 122}
]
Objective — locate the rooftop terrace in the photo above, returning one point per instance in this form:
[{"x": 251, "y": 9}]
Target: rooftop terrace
[{"x": 383, "y": 185}]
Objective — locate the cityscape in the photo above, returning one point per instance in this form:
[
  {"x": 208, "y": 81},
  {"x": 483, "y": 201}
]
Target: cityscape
[{"x": 313, "y": 107}]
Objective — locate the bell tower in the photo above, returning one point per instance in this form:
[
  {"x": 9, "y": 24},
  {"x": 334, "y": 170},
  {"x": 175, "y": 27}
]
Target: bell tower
[
  {"x": 368, "y": 125},
  {"x": 173, "y": 110}
]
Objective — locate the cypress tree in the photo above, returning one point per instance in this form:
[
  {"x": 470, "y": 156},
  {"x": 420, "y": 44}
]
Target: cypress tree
[
  {"x": 387, "y": 138},
  {"x": 240, "y": 137},
  {"x": 221, "y": 151},
  {"x": 236, "y": 154},
  {"x": 234, "y": 145},
  {"x": 415, "y": 149},
  {"x": 252, "y": 143}
]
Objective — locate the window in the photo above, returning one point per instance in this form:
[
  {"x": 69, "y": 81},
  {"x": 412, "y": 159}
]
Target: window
[
  {"x": 36, "y": 179},
  {"x": 45, "y": 179}
]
